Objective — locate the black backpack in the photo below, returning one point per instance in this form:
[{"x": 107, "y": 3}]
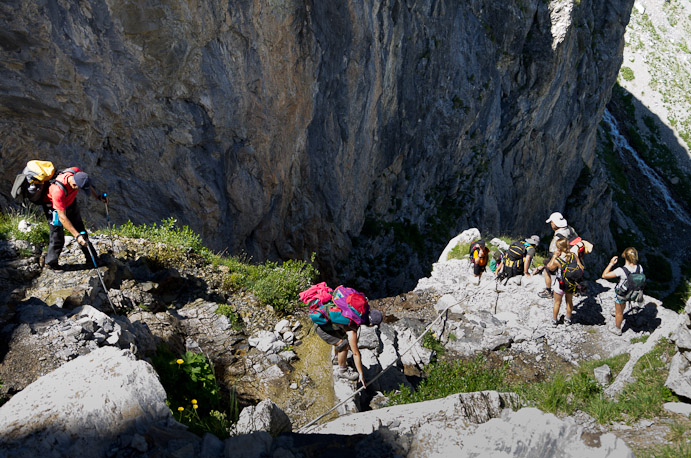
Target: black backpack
[
  {"x": 570, "y": 273},
  {"x": 513, "y": 260},
  {"x": 631, "y": 288}
]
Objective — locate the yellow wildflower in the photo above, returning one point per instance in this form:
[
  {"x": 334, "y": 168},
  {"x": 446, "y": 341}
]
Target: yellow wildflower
[
  {"x": 194, "y": 401},
  {"x": 195, "y": 406},
  {"x": 180, "y": 409},
  {"x": 179, "y": 361}
]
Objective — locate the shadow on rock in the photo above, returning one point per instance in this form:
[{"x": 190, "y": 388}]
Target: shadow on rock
[{"x": 642, "y": 318}]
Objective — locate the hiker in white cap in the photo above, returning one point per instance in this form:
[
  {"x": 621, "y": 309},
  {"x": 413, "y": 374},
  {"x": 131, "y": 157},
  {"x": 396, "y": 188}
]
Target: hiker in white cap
[{"x": 561, "y": 231}]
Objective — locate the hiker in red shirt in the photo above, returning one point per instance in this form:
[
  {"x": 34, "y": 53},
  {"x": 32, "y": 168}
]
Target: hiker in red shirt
[{"x": 62, "y": 210}]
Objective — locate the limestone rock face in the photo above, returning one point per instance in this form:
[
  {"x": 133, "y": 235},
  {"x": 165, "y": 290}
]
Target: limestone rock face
[
  {"x": 287, "y": 127},
  {"x": 83, "y": 405},
  {"x": 474, "y": 424}
]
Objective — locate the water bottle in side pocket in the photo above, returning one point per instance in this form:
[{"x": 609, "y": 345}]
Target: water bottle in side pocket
[{"x": 56, "y": 219}]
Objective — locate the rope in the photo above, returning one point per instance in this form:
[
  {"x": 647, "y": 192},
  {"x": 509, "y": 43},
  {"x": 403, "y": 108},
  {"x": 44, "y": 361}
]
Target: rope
[{"x": 305, "y": 428}]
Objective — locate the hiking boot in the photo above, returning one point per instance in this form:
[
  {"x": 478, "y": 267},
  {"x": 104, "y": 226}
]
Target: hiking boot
[
  {"x": 554, "y": 323},
  {"x": 348, "y": 374},
  {"x": 615, "y": 330},
  {"x": 567, "y": 321},
  {"x": 546, "y": 294}
]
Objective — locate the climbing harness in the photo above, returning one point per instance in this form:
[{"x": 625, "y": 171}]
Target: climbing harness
[{"x": 306, "y": 428}]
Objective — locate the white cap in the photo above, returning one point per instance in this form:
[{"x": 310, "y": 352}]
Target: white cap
[{"x": 557, "y": 219}]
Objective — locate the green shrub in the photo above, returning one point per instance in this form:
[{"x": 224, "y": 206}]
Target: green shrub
[
  {"x": 280, "y": 284},
  {"x": 626, "y": 73},
  {"x": 446, "y": 378},
  {"x": 193, "y": 394},
  {"x": 232, "y": 315},
  {"x": 431, "y": 342}
]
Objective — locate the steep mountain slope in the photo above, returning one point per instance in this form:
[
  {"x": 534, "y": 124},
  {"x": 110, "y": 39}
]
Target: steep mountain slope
[
  {"x": 644, "y": 142},
  {"x": 285, "y": 128}
]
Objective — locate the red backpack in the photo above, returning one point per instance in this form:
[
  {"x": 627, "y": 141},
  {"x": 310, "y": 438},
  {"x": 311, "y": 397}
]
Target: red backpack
[{"x": 347, "y": 306}]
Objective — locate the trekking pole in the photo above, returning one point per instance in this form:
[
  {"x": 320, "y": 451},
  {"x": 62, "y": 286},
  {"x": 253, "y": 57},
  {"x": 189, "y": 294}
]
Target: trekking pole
[
  {"x": 110, "y": 232},
  {"x": 89, "y": 248}
]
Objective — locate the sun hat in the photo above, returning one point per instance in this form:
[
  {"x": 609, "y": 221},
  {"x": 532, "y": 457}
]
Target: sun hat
[
  {"x": 83, "y": 181},
  {"x": 375, "y": 317},
  {"x": 533, "y": 240},
  {"x": 557, "y": 219}
]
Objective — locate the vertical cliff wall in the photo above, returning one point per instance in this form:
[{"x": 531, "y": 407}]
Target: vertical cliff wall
[{"x": 284, "y": 127}]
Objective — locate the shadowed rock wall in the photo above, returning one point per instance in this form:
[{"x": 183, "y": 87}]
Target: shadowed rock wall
[{"x": 285, "y": 127}]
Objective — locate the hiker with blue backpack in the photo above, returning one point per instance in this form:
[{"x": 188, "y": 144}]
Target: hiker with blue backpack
[
  {"x": 337, "y": 315},
  {"x": 630, "y": 285}
]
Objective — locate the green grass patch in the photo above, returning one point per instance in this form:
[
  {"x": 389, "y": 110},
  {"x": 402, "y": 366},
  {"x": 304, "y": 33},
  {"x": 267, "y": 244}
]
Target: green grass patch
[
  {"x": 167, "y": 233},
  {"x": 645, "y": 397},
  {"x": 448, "y": 377},
  {"x": 680, "y": 449},
  {"x": 39, "y": 234},
  {"x": 641, "y": 399},
  {"x": 678, "y": 444},
  {"x": 641, "y": 339},
  {"x": 274, "y": 283},
  {"x": 578, "y": 391},
  {"x": 460, "y": 251},
  {"x": 626, "y": 73}
]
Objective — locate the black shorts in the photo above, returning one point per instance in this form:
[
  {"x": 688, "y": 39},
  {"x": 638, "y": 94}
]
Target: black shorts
[
  {"x": 478, "y": 269},
  {"x": 333, "y": 337},
  {"x": 551, "y": 272}
]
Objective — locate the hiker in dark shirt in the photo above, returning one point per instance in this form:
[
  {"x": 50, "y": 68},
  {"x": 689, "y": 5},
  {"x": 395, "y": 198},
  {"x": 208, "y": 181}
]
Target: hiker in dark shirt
[{"x": 62, "y": 211}]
